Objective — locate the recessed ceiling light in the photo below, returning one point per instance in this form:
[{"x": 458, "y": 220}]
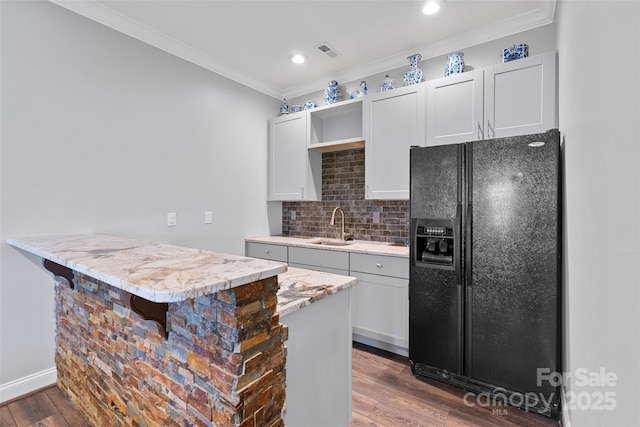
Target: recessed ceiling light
[
  {"x": 432, "y": 6},
  {"x": 298, "y": 58}
]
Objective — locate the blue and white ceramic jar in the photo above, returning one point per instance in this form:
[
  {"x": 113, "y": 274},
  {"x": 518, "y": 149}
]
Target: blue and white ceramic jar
[
  {"x": 332, "y": 93},
  {"x": 414, "y": 75},
  {"x": 517, "y": 51},
  {"x": 309, "y": 105},
  {"x": 455, "y": 64},
  {"x": 387, "y": 84},
  {"x": 363, "y": 87},
  {"x": 284, "y": 108}
]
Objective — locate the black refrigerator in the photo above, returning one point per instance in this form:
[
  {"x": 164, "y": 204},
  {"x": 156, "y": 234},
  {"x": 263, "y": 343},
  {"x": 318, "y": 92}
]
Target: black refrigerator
[{"x": 484, "y": 289}]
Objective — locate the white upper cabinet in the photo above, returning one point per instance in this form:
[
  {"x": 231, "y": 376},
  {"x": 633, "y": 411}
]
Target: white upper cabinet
[
  {"x": 454, "y": 108},
  {"x": 294, "y": 172},
  {"x": 393, "y": 121},
  {"x": 520, "y": 97}
]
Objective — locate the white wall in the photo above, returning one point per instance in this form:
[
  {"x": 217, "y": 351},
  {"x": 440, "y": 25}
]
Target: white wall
[
  {"x": 102, "y": 133},
  {"x": 599, "y": 114}
]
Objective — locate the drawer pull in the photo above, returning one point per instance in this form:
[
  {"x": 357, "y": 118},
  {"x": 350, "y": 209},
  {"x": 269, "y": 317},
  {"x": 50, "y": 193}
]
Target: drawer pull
[{"x": 379, "y": 265}]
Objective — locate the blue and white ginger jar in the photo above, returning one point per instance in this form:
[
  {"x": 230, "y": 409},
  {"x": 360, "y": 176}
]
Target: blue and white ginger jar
[
  {"x": 455, "y": 64},
  {"x": 414, "y": 75},
  {"x": 284, "y": 108},
  {"x": 517, "y": 51},
  {"x": 387, "y": 84},
  {"x": 309, "y": 105},
  {"x": 357, "y": 94},
  {"x": 332, "y": 93}
]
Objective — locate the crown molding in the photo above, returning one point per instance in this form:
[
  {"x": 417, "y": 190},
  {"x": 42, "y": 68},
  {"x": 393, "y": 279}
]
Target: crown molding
[
  {"x": 99, "y": 13},
  {"x": 133, "y": 28},
  {"x": 527, "y": 21}
]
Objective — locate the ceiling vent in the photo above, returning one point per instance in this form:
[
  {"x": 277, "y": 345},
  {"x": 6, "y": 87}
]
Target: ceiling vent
[{"x": 328, "y": 50}]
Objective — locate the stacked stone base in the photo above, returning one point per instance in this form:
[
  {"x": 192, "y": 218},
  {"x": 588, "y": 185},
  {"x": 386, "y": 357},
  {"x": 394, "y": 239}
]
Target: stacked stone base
[{"x": 223, "y": 363}]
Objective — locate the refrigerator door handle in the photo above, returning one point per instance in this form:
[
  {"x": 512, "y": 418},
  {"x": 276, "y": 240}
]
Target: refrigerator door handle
[
  {"x": 457, "y": 236},
  {"x": 468, "y": 247}
]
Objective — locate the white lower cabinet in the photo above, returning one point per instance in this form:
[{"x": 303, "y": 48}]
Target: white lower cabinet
[
  {"x": 379, "y": 300},
  {"x": 380, "y": 307}
]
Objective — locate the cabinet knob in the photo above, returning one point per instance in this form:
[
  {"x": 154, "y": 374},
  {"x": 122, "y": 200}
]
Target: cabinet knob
[
  {"x": 379, "y": 265},
  {"x": 266, "y": 252}
]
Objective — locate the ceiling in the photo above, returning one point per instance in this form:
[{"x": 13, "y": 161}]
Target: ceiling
[{"x": 251, "y": 41}]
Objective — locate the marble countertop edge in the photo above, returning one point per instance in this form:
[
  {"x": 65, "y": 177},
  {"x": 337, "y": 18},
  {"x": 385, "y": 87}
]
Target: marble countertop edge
[
  {"x": 300, "y": 288},
  {"x": 164, "y": 273}
]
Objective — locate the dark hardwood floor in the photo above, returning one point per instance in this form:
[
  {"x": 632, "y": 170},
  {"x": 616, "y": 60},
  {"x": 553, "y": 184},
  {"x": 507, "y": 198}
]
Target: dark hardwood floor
[{"x": 385, "y": 393}]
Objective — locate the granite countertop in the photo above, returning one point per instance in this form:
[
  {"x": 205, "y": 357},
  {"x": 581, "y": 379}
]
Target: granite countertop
[
  {"x": 362, "y": 246},
  {"x": 300, "y": 287},
  {"x": 156, "y": 272}
]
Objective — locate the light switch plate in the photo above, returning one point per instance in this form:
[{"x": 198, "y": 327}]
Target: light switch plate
[
  {"x": 208, "y": 217},
  {"x": 172, "y": 219}
]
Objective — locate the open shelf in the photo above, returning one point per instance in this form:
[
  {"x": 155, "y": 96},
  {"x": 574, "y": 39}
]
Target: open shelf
[{"x": 336, "y": 127}]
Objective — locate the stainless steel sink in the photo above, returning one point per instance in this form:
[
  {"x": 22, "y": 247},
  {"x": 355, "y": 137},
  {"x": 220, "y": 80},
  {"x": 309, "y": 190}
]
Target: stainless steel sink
[{"x": 330, "y": 242}]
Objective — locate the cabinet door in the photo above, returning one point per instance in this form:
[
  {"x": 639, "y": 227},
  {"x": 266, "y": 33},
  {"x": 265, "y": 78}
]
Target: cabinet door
[
  {"x": 454, "y": 108},
  {"x": 291, "y": 166},
  {"x": 520, "y": 97},
  {"x": 381, "y": 309},
  {"x": 393, "y": 122}
]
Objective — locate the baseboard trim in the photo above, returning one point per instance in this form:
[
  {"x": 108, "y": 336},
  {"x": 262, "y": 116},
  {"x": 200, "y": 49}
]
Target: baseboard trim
[
  {"x": 381, "y": 345},
  {"x": 28, "y": 384}
]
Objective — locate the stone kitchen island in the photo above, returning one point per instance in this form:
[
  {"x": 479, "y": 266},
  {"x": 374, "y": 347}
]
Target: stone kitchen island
[{"x": 159, "y": 335}]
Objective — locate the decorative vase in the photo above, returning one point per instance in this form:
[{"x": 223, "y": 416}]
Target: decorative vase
[
  {"x": 284, "y": 108},
  {"x": 332, "y": 93},
  {"x": 309, "y": 105},
  {"x": 363, "y": 87},
  {"x": 387, "y": 84},
  {"x": 455, "y": 64},
  {"x": 517, "y": 51},
  {"x": 414, "y": 75}
]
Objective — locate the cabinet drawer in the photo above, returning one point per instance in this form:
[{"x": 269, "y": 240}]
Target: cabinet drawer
[
  {"x": 317, "y": 268},
  {"x": 380, "y": 264},
  {"x": 266, "y": 251},
  {"x": 319, "y": 257}
]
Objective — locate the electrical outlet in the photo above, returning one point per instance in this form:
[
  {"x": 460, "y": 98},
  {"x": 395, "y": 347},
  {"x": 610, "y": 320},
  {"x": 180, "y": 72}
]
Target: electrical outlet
[
  {"x": 293, "y": 215},
  {"x": 172, "y": 219},
  {"x": 208, "y": 217},
  {"x": 376, "y": 217}
]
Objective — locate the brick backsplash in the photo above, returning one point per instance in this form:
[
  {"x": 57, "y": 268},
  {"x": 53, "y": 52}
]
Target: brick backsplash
[{"x": 343, "y": 185}]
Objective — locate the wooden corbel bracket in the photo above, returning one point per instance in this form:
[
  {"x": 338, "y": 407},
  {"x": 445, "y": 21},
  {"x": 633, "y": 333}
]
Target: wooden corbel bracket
[
  {"x": 59, "y": 271},
  {"x": 149, "y": 310}
]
